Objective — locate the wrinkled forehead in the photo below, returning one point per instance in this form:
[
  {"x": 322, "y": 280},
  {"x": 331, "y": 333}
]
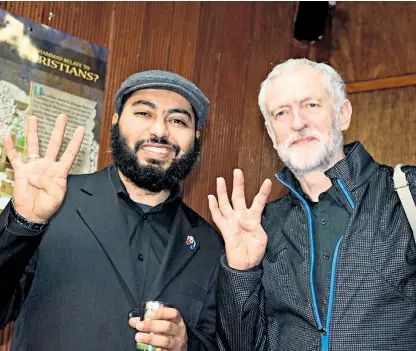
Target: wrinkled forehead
[{"x": 295, "y": 84}]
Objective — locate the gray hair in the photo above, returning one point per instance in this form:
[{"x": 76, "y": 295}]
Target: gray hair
[{"x": 331, "y": 78}]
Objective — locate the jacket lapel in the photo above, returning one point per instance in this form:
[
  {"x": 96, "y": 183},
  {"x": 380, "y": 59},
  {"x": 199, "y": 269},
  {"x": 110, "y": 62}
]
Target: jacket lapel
[
  {"x": 100, "y": 211},
  {"x": 178, "y": 253}
]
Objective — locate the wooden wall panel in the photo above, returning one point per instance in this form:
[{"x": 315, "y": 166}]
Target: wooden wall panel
[
  {"x": 86, "y": 20},
  {"x": 385, "y": 122},
  {"x": 160, "y": 36},
  {"x": 227, "y": 81},
  {"x": 124, "y": 47},
  {"x": 184, "y": 38},
  {"x": 270, "y": 44},
  {"x": 156, "y": 36},
  {"x": 32, "y": 10},
  {"x": 374, "y": 39}
]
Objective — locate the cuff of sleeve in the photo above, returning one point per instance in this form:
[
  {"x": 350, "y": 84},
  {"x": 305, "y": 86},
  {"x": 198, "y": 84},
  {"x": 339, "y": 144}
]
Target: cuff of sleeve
[
  {"x": 236, "y": 287},
  {"x": 224, "y": 264},
  {"x": 245, "y": 280},
  {"x": 16, "y": 228}
]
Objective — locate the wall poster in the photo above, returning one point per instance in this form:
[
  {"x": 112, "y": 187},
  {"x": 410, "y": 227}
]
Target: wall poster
[{"x": 45, "y": 72}]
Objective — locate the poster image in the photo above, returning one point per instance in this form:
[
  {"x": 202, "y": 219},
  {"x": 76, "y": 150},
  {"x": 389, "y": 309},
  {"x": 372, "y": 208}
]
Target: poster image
[{"x": 45, "y": 72}]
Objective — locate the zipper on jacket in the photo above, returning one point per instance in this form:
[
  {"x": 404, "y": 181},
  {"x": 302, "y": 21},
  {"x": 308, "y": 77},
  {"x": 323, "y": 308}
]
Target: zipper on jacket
[
  {"x": 325, "y": 332},
  {"x": 346, "y": 193}
]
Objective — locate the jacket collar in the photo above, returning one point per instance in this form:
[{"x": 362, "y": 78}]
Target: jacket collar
[
  {"x": 100, "y": 212},
  {"x": 354, "y": 169},
  {"x": 98, "y": 207}
]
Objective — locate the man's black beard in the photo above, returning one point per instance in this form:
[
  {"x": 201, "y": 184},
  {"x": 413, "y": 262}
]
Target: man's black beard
[{"x": 152, "y": 176}]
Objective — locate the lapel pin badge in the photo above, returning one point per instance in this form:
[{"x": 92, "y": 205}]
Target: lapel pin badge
[{"x": 190, "y": 241}]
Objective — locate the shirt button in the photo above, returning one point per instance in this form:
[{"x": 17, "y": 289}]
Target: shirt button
[
  {"x": 326, "y": 256},
  {"x": 323, "y": 221},
  {"x": 144, "y": 216},
  {"x": 140, "y": 257}
]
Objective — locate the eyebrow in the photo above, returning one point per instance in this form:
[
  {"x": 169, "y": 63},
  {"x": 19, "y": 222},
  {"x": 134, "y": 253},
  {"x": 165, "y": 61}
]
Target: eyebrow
[
  {"x": 280, "y": 106},
  {"x": 311, "y": 98},
  {"x": 144, "y": 102},
  {"x": 180, "y": 110},
  {"x": 301, "y": 101}
]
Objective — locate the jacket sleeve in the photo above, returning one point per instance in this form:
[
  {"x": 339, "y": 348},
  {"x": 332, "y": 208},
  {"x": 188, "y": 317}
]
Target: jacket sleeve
[
  {"x": 241, "y": 322},
  {"x": 17, "y": 248},
  {"x": 202, "y": 338},
  {"x": 411, "y": 178}
]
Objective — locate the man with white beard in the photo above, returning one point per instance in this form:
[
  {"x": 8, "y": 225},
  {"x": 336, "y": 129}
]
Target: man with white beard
[{"x": 332, "y": 265}]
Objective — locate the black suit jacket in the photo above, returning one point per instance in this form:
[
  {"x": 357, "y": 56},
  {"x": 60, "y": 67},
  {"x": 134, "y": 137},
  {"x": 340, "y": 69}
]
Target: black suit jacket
[{"x": 77, "y": 290}]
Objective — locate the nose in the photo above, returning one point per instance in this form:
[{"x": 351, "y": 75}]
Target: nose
[
  {"x": 159, "y": 128},
  {"x": 299, "y": 120}
]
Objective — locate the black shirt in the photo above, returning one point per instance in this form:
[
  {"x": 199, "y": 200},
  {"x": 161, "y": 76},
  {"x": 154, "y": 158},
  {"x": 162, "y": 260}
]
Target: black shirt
[
  {"x": 148, "y": 232},
  {"x": 330, "y": 219}
]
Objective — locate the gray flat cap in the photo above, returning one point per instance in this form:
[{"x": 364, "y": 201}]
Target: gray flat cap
[{"x": 167, "y": 81}]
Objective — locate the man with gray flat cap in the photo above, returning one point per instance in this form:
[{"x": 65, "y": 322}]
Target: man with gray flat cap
[{"x": 78, "y": 253}]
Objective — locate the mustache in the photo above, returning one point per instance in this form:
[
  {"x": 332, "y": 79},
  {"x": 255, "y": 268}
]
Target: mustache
[
  {"x": 155, "y": 140},
  {"x": 302, "y": 134}
]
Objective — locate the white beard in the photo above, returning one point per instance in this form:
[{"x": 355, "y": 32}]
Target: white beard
[{"x": 319, "y": 155}]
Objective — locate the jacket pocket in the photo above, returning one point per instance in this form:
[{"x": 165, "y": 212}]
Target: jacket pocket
[
  {"x": 280, "y": 261},
  {"x": 284, "y": 286}
]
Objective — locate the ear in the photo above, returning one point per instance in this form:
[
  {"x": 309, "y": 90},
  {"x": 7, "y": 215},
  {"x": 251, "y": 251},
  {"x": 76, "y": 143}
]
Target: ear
[
  {"x": 272, "y": 134},
  {"x": 115, "y": 119},
  {"x": 345, "y": 115}
]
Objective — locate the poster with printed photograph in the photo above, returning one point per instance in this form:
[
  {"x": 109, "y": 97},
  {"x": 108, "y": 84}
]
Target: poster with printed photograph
[{"x": 45, "y": 72}]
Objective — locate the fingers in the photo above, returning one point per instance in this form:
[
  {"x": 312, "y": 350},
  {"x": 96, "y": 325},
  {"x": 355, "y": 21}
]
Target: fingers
[
  {"x": 260, "y": 199},
  {"x": 162, "y": 341},
  {"x": 215, "y": 211},
  {"x": 238, "y": 198},
  {"x": 156, "y": 326},
  {"x": 166, "y": 313},
  {"x": 222, "y": 208},
  {"x": 223, "y": 201},
  {"x": 165, "y": 329},
  {"x": 32, "y": 136},
  {"x": 11, "y": 152},
  {"x": 133, "y": 322},
  {"x": 161, "y": 314},
  {"x": 72, "y": 151},
  {"x": 57, "y": 136}
]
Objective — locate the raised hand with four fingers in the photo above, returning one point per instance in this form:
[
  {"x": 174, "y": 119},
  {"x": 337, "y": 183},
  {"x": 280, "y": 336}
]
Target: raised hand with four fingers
[
  {"x": 40, "y": 184},
  {"x": 244, "y": 237}
]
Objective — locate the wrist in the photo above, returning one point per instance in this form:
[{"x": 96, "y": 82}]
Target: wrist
[
  {"x": 29, "y": 224},
  {"x": 239, "y": 267}
]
